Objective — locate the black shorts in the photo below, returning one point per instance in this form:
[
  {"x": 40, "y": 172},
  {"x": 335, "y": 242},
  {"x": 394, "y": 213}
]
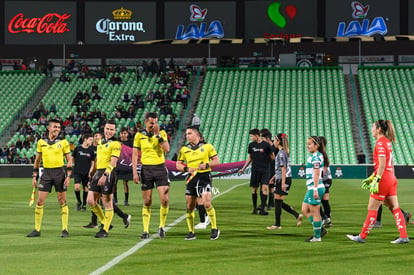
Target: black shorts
[
  {"x": 152, "y": 175},
  {"x": 278, "y": 186},
  {"x": 259, "y": 177},
  {"x": 52, "y": 177},
  {"x": 108, "y": 187},
  {"x": 81, "y": 178},
  {"x": 328, "y": 184},
  {"x": 200, "y": 184}
]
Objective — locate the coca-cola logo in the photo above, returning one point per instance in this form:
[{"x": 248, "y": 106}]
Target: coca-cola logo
[{"x": 49, "y": 23}]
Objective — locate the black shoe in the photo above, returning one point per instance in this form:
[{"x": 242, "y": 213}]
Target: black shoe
[
  {"x": 161, "y": 233},
  {"x": 101, "y": 234},
  {"x": 64, "y": 234},
  {"x": 215, "y": 234},
  {"x": 110, "y": 227},
  {"x": 127, "y": 221},
  {"x": 126, "y": 203},
  {"x": 191, "y": 236},
  {"x": 91, "y": 225},
  {"x": 255, "y": 211},
  {"x": 323, "y": 232},
  {"x": 83, "y": 208},
  {"x": 407, "y": 217},
  {"x": 78, "y": 206},
  {"x": 144, "y": 235},
  {"x": 263, "y": 212},
  {"x": 34, "y": 233}
]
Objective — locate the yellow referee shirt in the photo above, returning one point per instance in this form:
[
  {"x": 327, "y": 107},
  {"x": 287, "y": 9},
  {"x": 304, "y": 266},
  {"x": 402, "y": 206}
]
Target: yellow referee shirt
[
  {"x": 53, "y": 152},
  {"x": 151, "y": 152},
  {"x": 196, "y": 155},
  {"x": 106, "y": 150}
]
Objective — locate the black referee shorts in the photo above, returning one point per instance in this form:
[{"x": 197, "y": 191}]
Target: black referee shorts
[
  {"x": 201, "y": 183},
  {"x": 52, "y": 177},
  {"x": 108, "y": 187},
  {"x": 152, "y": 175}
]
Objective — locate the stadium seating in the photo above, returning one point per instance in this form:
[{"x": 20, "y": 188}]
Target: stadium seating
[
  {"x": 17, "y": 89},
  {"x": 297, "y": 101},
  {"x": 388, "y": 93},
  {"x": 62, "y": 94}
]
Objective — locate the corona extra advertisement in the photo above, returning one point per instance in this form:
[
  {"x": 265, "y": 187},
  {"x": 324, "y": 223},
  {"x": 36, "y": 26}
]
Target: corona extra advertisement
[
  {"x": 119, "y": 22},
  {"x": 199, "y": 20},
  {"x": 280, "y": 18},
  {"x": 38, "y": 22},
  {"x": 350, "y": 18}
]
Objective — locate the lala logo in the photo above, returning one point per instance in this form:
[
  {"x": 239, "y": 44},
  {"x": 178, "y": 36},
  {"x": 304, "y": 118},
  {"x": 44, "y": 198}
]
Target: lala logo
[
  {"x": 193, "y": 31},
  {"x": 360, "y": 11},
  {"x": 367, "y": 28},
  {"x": 197, "y": 14}
]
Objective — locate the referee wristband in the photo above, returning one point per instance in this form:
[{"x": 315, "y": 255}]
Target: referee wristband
[
  {"x": 207, "y": 165},
  {"x": 109, "y": 169}
]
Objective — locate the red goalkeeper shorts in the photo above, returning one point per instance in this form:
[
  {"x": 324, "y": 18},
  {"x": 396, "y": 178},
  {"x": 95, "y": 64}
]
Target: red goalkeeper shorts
[{"x": 387, "y": 187}]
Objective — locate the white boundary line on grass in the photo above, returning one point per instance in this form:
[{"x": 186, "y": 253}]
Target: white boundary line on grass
[{"x": 142, "y": 243}]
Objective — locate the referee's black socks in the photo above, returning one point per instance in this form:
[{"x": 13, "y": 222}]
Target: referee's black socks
[{"x": 77, "y": 194}]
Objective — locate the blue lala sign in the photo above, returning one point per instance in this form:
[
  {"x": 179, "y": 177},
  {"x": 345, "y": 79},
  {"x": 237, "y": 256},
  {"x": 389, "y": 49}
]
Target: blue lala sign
[
  {"x": 193, "y": 31},
  {"x": 376, "y": 26}
]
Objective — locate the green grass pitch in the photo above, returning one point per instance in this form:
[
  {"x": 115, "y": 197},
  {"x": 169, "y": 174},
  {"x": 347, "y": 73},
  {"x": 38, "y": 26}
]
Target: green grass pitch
[{"x": 245, "y": 245}]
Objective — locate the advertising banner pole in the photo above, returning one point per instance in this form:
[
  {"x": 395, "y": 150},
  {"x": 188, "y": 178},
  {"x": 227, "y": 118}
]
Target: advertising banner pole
[{"x": 64, "y": 54}]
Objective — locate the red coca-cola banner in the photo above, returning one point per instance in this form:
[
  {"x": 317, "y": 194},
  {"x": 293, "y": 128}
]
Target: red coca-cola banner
[
  {"x": 40, "y": 22},
  {"x": 49, "y": 23}
]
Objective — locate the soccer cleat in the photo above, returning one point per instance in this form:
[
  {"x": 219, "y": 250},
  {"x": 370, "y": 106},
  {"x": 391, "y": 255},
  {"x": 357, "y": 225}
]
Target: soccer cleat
[
  {"x": 144, "y": 235},
  {"x": 355, "y": 238},
  {"x": 263, "y": 212},
  {"x": 83, "y": 208},
  {"x": 161, "y": 233},
  {"x": 215, "y": 234},
  {"x": 201, "y": 225},
  {"x": 127, "y": 221},
  {"x": 91, "y": 225},
  {"x": 64, "y": 234},
  {"x": 299, "y": 220},
  {"x": 34, "y": 233},
  {"x": 313, "y": 239},
  {"x": 377, "y": 224},
  {"x": 78, "y": 206},
  {"x": 401, "y": 240},
  {"x": 255, "y": 211},
  {"x": 126, "y": 203},
  {"x": 191, "y": 236},
  {"x": 407, "y": 217},
  {"x": 327, "y": 222},
  {"x": 323, "y": 232},
  {"x": 101, "y": 234},
  {"x": 110, "y": 227},
  {"x": 273, "y": 227}
]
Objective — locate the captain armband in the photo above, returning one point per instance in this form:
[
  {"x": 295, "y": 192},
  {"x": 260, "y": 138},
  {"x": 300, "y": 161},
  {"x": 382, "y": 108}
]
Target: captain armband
[{"x": 109, "y": 169}]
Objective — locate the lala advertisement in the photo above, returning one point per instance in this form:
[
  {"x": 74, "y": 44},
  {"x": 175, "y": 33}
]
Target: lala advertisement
[
  {"x": 362, "y": 18},
  {"x": 198, "y": 20},
  {"x": 39, "y": 22}
]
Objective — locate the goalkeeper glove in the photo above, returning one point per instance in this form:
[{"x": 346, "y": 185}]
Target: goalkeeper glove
[
  {"x": 375, "y": 184},
  {"x": 366, "y": 182}
]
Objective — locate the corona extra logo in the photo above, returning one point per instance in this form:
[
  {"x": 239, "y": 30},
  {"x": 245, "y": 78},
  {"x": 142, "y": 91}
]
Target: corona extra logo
[
  {"x": 122, "y": 13},
  {"x": 115, "y": 30}
]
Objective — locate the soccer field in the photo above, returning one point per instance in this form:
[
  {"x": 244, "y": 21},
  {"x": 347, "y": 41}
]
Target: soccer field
[{"x": 245, "y": 245}]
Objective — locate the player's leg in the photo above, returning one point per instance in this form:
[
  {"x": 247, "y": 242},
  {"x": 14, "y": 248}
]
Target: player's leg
[
  {"x": 109, "y": 210},
  {"x": 263, "y": 198},
  {"x": 84, "y": 196},
  {"x": 126, "y": 191},
  {"x": 92, "y": 201},
  {"x": 163, "y": 192},
  {"x": 77, "y": 194},
  {"x": 378, "y": 223},
  {"x": 373, "y": 206},
  {"x": 254, "y": 184},
  {"x": 41, "y": 198},
  {"x": 146, "y": 209},
  {"x": 204, "y": 220},
  {"x": 115, "y": 193},
  {"x": 392, "y": 202},
  {"x": 190, "y": 201},
  {"x": 271, "y": 202},
  {"x": 211, "y": 212}
]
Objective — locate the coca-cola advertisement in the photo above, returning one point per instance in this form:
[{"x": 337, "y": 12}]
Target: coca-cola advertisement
[
  {"x": 119, "y": 22},
  {"x": 40, "y": 22}
]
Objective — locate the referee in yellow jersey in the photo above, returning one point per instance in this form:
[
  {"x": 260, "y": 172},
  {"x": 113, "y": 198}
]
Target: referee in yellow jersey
[
  {"x": 153, "y": 144},
  {"x": 52, "y": 150},
  {"x": 200, "y": 158},
  {"x": 102, "y": 184}
]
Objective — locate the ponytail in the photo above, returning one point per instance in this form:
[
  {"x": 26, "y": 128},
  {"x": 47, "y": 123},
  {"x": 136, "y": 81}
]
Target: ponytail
[
  {"x": 283, "y": 139},
  {"x": 387, "y": 128},
  {"x": 325, "y": 155}
]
